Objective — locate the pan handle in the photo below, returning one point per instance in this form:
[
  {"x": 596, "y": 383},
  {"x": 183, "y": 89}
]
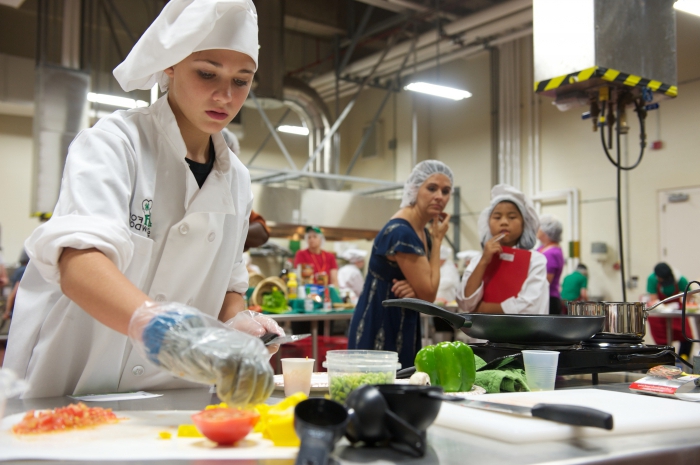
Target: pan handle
[
  {"x": 673, "y": 297},
  {"x": 455, "y": 319}
]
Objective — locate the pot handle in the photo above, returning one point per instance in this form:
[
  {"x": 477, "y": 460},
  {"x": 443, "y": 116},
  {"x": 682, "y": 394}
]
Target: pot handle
[
  {"x": 455, "y": 319},
  {"x": 673, "y": 297}
]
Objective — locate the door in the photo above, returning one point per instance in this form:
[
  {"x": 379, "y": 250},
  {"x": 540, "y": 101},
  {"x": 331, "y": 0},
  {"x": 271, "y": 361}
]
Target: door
[{"x": 679, "y": 213}]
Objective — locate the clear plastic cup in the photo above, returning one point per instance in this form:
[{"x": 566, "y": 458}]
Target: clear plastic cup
[
  {"x": 540, "y": 369},
  {"x": 350, "y": 369},
  {"x": 297, "y": 375}
]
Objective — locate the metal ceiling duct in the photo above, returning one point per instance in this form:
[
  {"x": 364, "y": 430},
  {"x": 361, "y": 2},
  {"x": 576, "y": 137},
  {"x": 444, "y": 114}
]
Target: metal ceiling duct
[{"x": 270, "y": 75}]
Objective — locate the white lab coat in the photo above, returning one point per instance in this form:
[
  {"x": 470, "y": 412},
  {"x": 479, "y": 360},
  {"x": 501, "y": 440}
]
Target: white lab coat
[
  {"x": 449, "y": 282},
  {"x": 128, "y": 169},
  {"x": 532, "y": 298},
  {"x": 350, "y": 277}
]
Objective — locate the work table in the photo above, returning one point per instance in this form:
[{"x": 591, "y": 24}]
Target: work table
[{"x": 449, "y": 446}]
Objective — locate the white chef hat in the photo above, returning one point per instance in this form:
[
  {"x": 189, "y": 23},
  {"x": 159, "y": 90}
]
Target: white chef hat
[
  {"x": 421, "y": 172},
  {"x": 185, "y": 27},
  {"x": 531, "y": 223},
  {"x": 353, "y": 255}
]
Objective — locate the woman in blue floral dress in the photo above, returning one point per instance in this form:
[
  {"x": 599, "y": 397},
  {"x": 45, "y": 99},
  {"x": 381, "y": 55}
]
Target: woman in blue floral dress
[{"x": 405, "y": 262}]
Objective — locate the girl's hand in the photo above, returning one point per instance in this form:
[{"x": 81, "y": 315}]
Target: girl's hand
[
  {"x": 402, "y": 289},
  {"x": 439, "y": 226},
  {"x": 491, "y": 247}
]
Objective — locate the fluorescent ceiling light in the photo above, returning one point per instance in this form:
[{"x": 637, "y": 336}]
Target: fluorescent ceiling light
[
  {"x": 115, "y": 101},
  {"x": 438, "y": 91},
  {"x": 300, "y": 130},
  {"x": 689, "y": 6}
]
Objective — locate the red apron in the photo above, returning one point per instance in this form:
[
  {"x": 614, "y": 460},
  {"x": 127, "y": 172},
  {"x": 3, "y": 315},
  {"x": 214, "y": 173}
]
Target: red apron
[{"x": 658, "y": 324}]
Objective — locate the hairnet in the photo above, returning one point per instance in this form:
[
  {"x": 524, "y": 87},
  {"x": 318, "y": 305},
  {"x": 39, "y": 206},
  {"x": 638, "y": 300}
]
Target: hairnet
[
  {"x": 421, "y": 172},
  {"x": 185, "y": 27},
  {"x": 531, "y": 223},
  {"x": 551, "y": 227},
  {"x": 353, "y": 255}
]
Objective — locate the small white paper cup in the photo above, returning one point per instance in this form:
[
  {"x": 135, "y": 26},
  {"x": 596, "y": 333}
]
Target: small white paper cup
[{"x": 297, "y": 375}]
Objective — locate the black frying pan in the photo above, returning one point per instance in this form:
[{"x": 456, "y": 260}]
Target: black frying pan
[{"x": 514, "y": 329}]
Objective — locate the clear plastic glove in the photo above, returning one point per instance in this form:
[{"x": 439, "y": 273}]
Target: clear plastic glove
[
  {"x": 254, "y": 324},
  {"x": 257, "y": 325},
  {"x": 199, "y": 348}
]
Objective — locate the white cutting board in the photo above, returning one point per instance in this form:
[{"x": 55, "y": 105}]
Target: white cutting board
[
  {"x": 632, "y": 413},
  {"x": 135, "y": 438}
]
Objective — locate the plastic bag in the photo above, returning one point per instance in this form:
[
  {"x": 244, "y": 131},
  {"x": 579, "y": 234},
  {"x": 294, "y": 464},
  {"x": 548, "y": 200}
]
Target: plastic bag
[{"x": 199, "y": 348}]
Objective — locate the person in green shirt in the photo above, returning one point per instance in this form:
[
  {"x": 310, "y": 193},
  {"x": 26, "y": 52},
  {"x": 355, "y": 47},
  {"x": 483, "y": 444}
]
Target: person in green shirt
[
  {"x": 662, "y": 283},
  {"x": 575, "y": 285}
]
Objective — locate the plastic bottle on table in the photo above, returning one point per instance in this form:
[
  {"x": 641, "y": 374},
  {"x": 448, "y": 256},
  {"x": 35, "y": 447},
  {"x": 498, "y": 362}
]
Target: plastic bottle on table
[
  {"x": 292, "y": 285},
  {"x": 308, "y": 302}
]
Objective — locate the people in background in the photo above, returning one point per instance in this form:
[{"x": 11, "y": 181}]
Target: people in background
[
  {"x": 350, "y": 275},
  {"x": 146, "y": 239},
  {"x": 466, "y": 256},
  {"x": 449, "y": 277},
  {"x": 549, "y": 236},
  {"x": 663, "y": 283},
  {"x": 517, "y": 280},
  {"x": 14, "y": 285},
  {"x": 258, "y": 232},
  {"x": 250, "y": 266},
  {"x": 3, "y": 273},
  {"x": 325, "y": 267},
  {"x": 575, "y": 285},
  {"x": 405, "y": 262}
]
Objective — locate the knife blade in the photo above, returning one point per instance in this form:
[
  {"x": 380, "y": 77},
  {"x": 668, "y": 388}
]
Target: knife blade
[
  {"x": 561, "y": 413},
  {"x": 272, "y": 338}
]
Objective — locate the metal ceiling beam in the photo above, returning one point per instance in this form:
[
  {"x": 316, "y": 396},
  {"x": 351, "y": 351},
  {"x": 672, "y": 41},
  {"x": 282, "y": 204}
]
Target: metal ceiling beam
[
  {"x": 310, "y": 174},
  {"x": 273, "y": 131},
  {"x": 355, "y": 39},
  {"x": 267, "y": 138}
]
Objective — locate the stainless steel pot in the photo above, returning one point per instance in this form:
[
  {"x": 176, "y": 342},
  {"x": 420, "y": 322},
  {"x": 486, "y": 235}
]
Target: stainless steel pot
[{"x": 622, "y": 319}]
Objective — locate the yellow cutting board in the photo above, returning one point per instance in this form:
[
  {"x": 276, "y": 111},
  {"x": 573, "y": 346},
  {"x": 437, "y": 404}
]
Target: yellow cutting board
[
  {"x": 632, "y": 413},
  {"x": 136, "y": 437}
]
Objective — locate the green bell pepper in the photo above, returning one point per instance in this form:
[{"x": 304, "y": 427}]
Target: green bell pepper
[{"x": 449, "y": 364}]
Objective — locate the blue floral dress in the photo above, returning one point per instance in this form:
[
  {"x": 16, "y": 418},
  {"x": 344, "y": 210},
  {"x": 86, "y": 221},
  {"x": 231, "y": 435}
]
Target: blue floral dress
[{"x": 374, "y": 327}]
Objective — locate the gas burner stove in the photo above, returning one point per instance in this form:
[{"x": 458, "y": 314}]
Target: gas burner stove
[
  {"x": 590, "y": 357},
  {"x": 519, "y": 347}
]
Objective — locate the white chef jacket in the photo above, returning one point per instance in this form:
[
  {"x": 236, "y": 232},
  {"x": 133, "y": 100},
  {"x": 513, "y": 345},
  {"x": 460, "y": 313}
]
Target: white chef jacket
[
  {"x": 350, "y": 277},
  {"x": 532, "y": 298},
  {"x": 449, "y": 282},
  {"x": 128, "y": 191}
]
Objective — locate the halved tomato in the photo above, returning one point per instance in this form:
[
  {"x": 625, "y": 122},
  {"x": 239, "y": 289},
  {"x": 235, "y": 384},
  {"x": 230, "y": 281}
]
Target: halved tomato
[{"x": 225, "y": 425}]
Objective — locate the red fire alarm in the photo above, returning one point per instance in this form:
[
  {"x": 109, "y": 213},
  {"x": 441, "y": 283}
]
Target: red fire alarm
[{"x": 657, "y": 145}]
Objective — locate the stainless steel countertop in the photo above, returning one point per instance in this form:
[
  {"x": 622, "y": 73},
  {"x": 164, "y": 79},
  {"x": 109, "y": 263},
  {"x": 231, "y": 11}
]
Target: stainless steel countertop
[{"x": 448, "y": 447}]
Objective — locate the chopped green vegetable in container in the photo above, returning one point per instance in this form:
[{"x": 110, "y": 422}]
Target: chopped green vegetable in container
[{"x": 350, "y": 369}]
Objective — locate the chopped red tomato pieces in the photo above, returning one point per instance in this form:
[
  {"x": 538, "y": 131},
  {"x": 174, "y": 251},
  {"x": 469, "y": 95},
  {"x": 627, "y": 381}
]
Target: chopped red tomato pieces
[{"x": 64, "y": 418}]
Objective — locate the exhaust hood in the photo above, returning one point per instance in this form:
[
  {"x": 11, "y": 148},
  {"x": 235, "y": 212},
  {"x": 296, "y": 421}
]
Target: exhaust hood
[{"x": 342, "y": 215}]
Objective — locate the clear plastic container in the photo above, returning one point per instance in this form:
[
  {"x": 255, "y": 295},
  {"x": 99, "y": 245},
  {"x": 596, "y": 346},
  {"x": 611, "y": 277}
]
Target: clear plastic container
[{"x": 350, "y": 369}]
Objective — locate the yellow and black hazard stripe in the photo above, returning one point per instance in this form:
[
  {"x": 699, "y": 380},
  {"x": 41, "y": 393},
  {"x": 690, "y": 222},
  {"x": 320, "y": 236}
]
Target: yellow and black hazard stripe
[{"x": 606, "y": 74}]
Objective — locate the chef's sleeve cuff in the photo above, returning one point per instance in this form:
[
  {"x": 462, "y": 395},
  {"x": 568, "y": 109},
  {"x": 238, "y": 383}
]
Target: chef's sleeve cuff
[
  {"x": 47, "y": 242},
  {"x": 239, "y": 279}
]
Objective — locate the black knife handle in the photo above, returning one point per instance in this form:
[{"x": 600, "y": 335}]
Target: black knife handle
[
  {"x": 574, "y": 415},
  {"x": 267, "y": 337}
]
